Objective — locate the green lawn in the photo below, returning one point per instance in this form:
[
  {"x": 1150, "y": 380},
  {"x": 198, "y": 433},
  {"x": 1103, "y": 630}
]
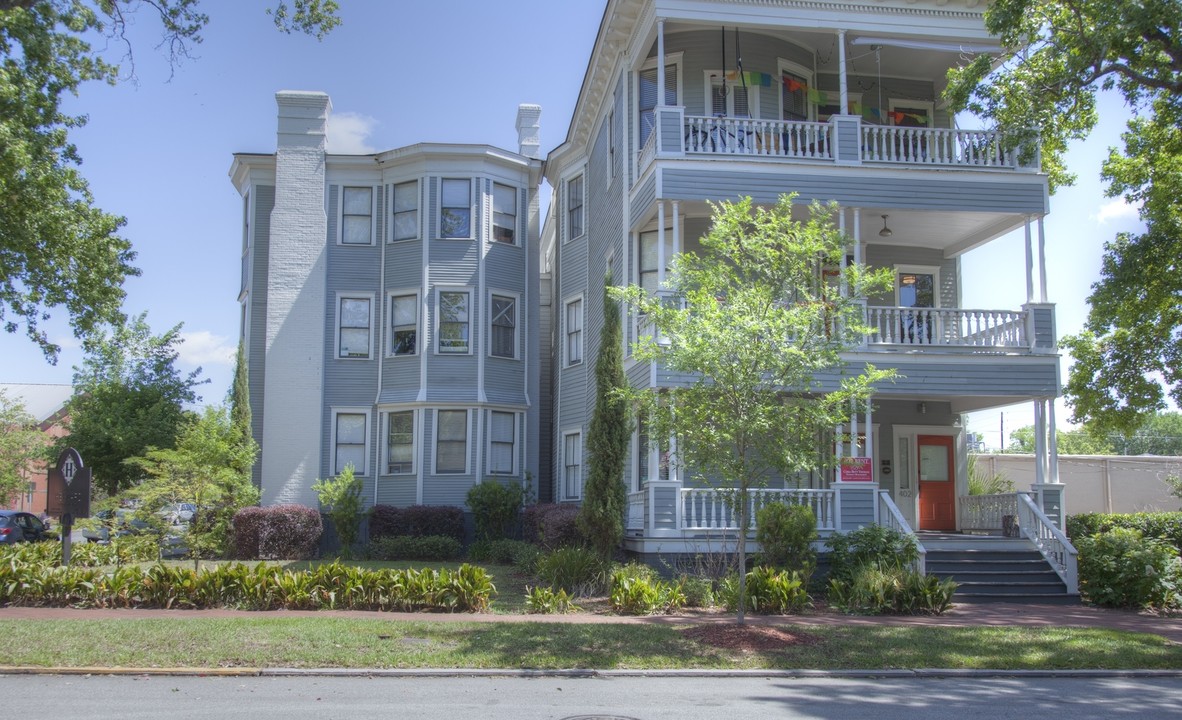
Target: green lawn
[{"x": 269, "y": 641}]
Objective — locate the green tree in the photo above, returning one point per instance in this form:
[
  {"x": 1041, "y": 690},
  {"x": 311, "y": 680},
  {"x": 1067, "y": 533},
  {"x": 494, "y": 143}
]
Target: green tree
[
  {"x": 1080, "y": 441},
  {"x": 755, "y": 325},
  {"x": 57, "y": 249},
  {"x": 340, "y": 499},
  {"x": 240, "y": 400},
  {"x": 128, "y": 397},
  {"x": 206, "y": 469},
  {"x": 1058, "y": 54},
  {"x": 1161, "y": 434},
  {"x": 601, "y": 518},
  {"x": 21, "y": 444}
]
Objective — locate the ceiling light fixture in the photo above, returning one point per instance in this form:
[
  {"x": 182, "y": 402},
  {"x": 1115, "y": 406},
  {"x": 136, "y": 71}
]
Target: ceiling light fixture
[{"x": 886, "y": 231}]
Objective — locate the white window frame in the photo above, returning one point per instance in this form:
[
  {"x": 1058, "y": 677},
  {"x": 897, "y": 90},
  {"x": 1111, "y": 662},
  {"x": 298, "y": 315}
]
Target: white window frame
[
  {"x": 467, "y": 442},
  {"x": 492, "y": 199},
  {"x": 389, "y": 325},
  {"x": 332, "y": 460},
  {"x": 373, "y": 193},
  {"x": 933, "y": 270},
  {"x": 415, "y": 437},
  {"x": 418, "y": 210},
  {"x": 708, "y": 97},
  {"x": 488, "y": 454},
  {"x": 341, "y": 296},
  {"x": 473, "y": 215},
  {"x": 516, "y": 298},
  {"x": 792, "y": 68},
  {"x": 673, "y": 59},
  {"x": 566, "y": 495},
  {"x": 438, "y": 318},
  {"x": 928, "y": 105},
  {"x": 567, "y": 361},
  {"x": 581, "y": 176}
]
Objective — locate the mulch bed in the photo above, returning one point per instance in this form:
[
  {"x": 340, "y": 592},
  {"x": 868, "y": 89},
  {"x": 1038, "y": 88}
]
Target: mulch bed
[{"x": 748, "y": 638}]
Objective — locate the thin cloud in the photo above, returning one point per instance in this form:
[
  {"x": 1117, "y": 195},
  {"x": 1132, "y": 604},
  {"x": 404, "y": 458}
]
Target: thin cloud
[
  {"x": 204, "y": 348},
  {"x": 1116, "y": 209},
  {"x": 348, "y": 133}
]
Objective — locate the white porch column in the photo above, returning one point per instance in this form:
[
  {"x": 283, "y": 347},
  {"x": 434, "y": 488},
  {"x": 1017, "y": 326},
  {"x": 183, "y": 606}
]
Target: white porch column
[
  {"x": 844, "y": 286},
  {"x": 1053, "y": 440},
  {"x": 1040, "y": 442},
  {"x": 854, "y": 429},
  {"x": 1042, "y": 261},
  {"x": 845, "y": 104},
  {"x": 661, "y": 244},
  {"x": 660, "y": 63},
  {"x": 677, "y": 239},
  {"x": 857, "y": 235},
  {"x": 839, "y": 446},
  {"x": 1029, "y": 264},
  {"x": 869, "y": 432}
]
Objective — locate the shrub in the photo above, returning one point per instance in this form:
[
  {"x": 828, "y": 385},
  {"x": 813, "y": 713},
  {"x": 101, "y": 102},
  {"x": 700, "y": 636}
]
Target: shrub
[
  {"x": 340, "y": 497},
  {"x": 874, "y": 545},
  {"x": 545, "y": 601},
  {"x": 289, "y": 532},
  {"x": 1123, "y": 568},
  {"x": 416, "y": 521},
  {"x": 698, "y": 591},
  {"x": 636, "y": 590},
  {"x": 579, "y": 571},
  {"x": 786, "y": 534},
  {"x": 408, "y": 547},
  {"x": 248, "y": 527},
  {"x": 503, "y": 552},
  {"x": 769, "y": 591},
  {"x": 552, "y": 525},
  {"x": 874, "y": 588},
  {"x": 495, "y": 508},
  {"x": 1166, "y": 526}
]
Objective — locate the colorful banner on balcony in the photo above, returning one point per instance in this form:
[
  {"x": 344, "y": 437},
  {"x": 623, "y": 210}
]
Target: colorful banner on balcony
[
  {"x": 751, "y": 78},
  {"x": 823, "y": 98}
]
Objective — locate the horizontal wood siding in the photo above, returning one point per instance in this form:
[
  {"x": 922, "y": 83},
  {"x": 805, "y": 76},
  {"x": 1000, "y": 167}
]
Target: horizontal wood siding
[
  {"x": 665, "y": 501},
  {"x": 1044, "y": 328},
  {"x": 671, "y": 132},
  {"x": 448, "y": 489},
  {"x": 855, "y": 188},
  {"x": 857, "y": 508},
  {"x": 397, "y": 490},
  {"x": 264, "y": 202},
  {"x": 645, "y": 195}
]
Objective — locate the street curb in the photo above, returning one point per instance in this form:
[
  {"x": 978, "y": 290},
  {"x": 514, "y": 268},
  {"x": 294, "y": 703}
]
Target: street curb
[{"x": 923, "y": 673}]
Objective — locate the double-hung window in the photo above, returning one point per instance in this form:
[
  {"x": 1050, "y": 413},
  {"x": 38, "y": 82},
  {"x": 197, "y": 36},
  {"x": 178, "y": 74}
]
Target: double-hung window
[
  {"x": 400, "y": 443},
  {"x": 455, "y": 208},
  {"x": 503, "y": 340},
  {"x": 451, "y": 442},
  {"x": 648, "y": 97},
  {"x": 502, "y": 442},
  {"x": 574, "y": 332},
  {"x": 574, "y": 208},
  {"x": 353, "y": 327},
  {"x": 404, "y": 324},
  {"x": 572, "y": 465},
  {"x": 405, "y": 206},
  {"x": 454, "y": 323},
  {"x": 357, "y": 216},
  {"x": 349, "y": 435},
  {"x": 504, "y": 214}
]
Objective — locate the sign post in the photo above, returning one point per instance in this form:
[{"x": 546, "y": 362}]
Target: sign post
[{"x": 68, "y": 496}]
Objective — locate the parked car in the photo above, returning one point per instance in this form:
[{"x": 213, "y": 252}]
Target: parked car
[
  {"x": 18, "y": 526},
  {"x": 117, "y": 522}
]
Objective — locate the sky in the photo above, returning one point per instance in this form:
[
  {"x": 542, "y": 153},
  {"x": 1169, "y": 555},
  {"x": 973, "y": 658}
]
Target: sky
[{"x": 158, "y": 146}]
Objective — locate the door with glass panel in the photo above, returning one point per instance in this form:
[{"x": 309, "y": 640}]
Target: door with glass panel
[{"x": 916, "y": 294}]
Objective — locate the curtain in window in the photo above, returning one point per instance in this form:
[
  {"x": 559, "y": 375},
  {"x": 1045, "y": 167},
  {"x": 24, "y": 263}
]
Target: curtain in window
[
  {"x": 451, "y": 449},
  {"x": 406, "y": 210},
  {"x": 355, "y": 216},
  {"x": 504, "y": 214},
  {"x": 400, "y": 448},
  {"x": 501, "y": 436},
  {"x": 350, "y": 442}
]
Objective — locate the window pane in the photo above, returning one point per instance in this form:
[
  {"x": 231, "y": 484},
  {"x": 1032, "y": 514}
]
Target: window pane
[
  {"x": 401, "y": 443},
  {"x": 354, "y": 342},
  {"x": 452, "y": 446},
  {"x": 356, "y": 230},
  {"x": 455, "y": 223},
  {"x": 453, "y": 424},
  {"x": 648, "y": 251},
  {"x": 456, "y": 193},
  {"x": 501, "y": 429},
  {"x": 504, "y": 199},
  {"x": 405, "y": 309},
  {"x": 406, "y": 196},
  {"x": 503, "y": 324},
  {"x": 794, "y": 91},
  {"x": 404, "y": 324},
  {"x": 358, "y": 201},
  {"x": 354, "y": 313},
  {"x": 453, "y": 306},
  {"x": 504, "y": 228},
  {"x": 350, "y": 455},
  {"x": 406, "y": 225}
]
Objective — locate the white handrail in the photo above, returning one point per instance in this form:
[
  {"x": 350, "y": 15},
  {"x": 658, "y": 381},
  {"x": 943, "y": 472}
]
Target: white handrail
[
  {"x": 634, "y": 518},
  {"x": 1050, "y": 541},
  {"x": 936, "y": 146},
  {"x": 890, "y": 516},
  {"x": 949, "y": 327},
  {"x": 985, "y": 512},
  {"x": 713, "y": 508},
  {"x": 766, "y": 138}
]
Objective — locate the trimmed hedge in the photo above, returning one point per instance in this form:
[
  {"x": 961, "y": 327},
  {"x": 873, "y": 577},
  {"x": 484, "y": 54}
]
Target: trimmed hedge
[
  {"x": 1165, "y": 526},
  {"x": 277, "y": 532},
  {"x": 552, "y": 525},
  {"x": 416, "y": 521},
  {"x": 263, "y": 587},
  {"x": 407, "y": 547},
  {"x": 1123, "y": 568}
]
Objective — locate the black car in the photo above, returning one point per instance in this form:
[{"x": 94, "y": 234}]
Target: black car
[{"x": 16, "y": 526}]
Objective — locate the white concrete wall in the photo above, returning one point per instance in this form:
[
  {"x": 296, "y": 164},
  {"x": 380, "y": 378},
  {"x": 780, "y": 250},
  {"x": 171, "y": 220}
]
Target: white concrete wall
[{"x": 1100, "y": 483}]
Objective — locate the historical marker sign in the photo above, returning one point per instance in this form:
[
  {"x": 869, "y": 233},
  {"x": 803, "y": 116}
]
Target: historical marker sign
[{"x": 69, "y": 486}]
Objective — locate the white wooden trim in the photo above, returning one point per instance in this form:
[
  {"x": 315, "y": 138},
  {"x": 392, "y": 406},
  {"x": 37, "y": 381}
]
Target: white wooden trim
[
  {"x": 336, "y": 340},
  {"x": 515, "y": 471},
  {"x": 416, "y": 440},
  {"x": 467, "y": 442},
  {"x": 374, "y": 190},
  {"x": 563, "y": 336},
  {"x": 801, "y": 71},
  {"x": 473, "y": 208},
  {"x": 518, "y": 354},
  {"x": 933, "y": 270},
  {"x": 473, "y": 300},
  {"x": 388, "y": 322},
  {"x": 418, "y": 209},
  {"x": 562, "y": 464},
  {"x": 332, "y": 439}
]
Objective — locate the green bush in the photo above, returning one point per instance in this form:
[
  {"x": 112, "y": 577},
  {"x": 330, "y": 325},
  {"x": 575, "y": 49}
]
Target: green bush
[
  {"x": 121, "y": 550},
  {"x": 520, "y": 554},
  {"x": 636, "y": 590},
  {"x": 786, "y": 534},
  {"x": 698, "y": 591},
  {"x": 875, "y": 588},
  {"x": 495, "y": 508},
  {"x": 1123, "y": 568},
  {"x": 876, "y": 545},
  {"x": 769, "y": 591},
  {"x": 408, "y": 547},
  {"x": 579, "y": 571},
  {"x": 545, "y": 601},
  {"x": 340, "y": 498},
  {"x": 1166, "y": 526}
]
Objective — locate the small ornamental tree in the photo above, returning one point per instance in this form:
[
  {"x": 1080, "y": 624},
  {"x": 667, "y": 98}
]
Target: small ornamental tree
[
  {"x": 340, "y": 498},
  {"x": 755, "y": 326},
  {"x": 601, "y": 518},
  {"x": 21, "y": 444},
  {"x": 240, "y": 399}
]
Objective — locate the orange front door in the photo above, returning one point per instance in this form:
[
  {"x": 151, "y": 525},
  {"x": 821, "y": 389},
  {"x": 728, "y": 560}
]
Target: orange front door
[{"x": 937, "y": 490}]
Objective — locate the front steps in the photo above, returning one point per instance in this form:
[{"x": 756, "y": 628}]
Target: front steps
[{"x": 994, "y": 569}]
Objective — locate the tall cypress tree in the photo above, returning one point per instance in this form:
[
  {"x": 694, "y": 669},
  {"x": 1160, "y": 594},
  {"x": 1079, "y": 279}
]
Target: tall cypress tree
[
  {"x": 601, "y": 518},
  {"x": 240, "y": 400}
]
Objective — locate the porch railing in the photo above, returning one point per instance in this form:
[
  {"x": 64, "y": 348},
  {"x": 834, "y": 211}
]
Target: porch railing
[
  {"x": 767, "y": 138},
  {"x": 948, "y": 327},
  {"x": 890, "y": 516},
  {"x": 935, "y": 146},
  {"x": 714, "y": 509},
  {"x": 647, "y": 153},
  {"x": 634, "y": 517},
  {"x": 985, "y": 513},
  {"x": 1050, "y": 541}
]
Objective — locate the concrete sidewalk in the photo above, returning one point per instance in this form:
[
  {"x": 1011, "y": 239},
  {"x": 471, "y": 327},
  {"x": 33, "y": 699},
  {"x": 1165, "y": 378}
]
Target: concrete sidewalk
[{"x": 962, "y": 615}]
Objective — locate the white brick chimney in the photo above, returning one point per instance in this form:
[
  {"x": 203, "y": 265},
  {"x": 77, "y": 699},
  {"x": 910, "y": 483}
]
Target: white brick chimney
[{"x": 528, "y": 143}]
